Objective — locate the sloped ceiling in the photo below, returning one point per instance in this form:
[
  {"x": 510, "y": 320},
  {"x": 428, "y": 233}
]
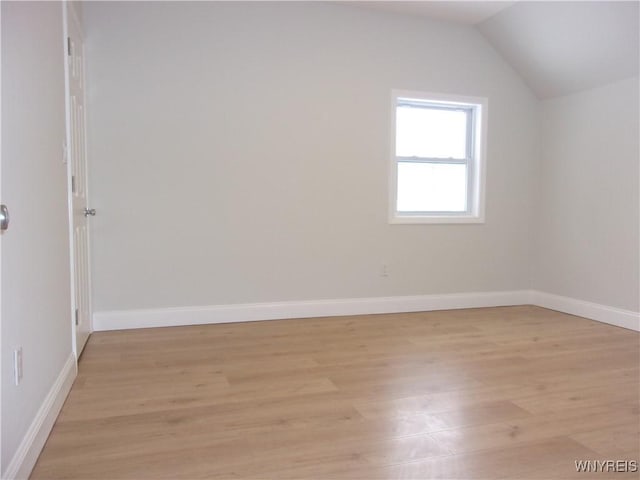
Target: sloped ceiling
[
  {"x": 558, "y": 47},
  {"x": 467, "y": 12},
  {"x": 564, "y": 47}
]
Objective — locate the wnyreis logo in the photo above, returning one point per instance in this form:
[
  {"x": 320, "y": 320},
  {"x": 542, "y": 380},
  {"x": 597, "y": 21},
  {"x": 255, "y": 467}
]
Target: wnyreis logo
[{"x": 600, "y": 466}]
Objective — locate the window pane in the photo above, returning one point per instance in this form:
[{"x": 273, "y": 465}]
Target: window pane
[
  {"x": 430, "y": 132},
  {"x": 432, "y": 187}
]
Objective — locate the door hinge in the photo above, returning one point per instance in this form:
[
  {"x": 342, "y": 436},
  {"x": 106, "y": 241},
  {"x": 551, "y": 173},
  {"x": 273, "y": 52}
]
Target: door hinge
[
  {"x": 73, "y": 184},
  {"x": 68, "y": 46},
  {"x": 77, "y": 317}
]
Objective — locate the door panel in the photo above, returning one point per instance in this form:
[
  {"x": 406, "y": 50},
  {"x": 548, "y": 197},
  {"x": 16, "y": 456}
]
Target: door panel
[{"x": 78, "y": 168}]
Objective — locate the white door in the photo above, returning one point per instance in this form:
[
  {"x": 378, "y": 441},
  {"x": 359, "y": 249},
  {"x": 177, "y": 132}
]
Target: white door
[{"x": 77, "y": 155}]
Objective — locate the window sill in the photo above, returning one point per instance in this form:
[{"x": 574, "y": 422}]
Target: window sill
[{"x": 435, "y": 219}]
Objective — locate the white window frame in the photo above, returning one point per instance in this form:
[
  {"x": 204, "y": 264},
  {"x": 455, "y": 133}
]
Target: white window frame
[{"x": 475, "y": 158}]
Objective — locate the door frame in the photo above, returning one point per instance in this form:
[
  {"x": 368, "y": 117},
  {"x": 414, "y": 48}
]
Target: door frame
[{"x": 69, "y": 11}]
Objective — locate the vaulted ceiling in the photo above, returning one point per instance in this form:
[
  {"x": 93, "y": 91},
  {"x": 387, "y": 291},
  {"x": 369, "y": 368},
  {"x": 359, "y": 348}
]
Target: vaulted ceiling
[
  {"x": 467, "y": 12},
  {"x": 558, "y": 47}
]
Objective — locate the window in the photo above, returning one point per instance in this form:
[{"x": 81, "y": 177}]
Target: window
[{"x": 437, "y": 164}]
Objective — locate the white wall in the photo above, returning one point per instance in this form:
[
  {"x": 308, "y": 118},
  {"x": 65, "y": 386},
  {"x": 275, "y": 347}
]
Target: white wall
[
  {"x": 239, "y": 153},
  {"x": 36, "y": 309},
  {"x": 588, "y": 205}
]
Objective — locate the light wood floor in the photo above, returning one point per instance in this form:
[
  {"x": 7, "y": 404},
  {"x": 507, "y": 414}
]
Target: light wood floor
[{"x": 513, "y": 392}]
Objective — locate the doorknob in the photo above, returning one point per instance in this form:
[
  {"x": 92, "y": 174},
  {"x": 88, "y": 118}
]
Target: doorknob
[
  {"x": 89, "y": 211},
  {"x": 4, "y": 218}
]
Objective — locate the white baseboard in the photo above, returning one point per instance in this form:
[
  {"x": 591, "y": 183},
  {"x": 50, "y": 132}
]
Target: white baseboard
[
  {"x": 594, "y": 311},
  {"x": 165, "y": 317},
  {"x": 171, "y": 317},
  {"x": 29, "y": 449}
]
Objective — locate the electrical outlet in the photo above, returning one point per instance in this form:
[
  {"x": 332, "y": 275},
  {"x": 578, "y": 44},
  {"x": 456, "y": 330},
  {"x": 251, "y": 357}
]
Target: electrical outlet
[
  {"x": 17, "y": 365},
  {"x": 384, "y": 270}
]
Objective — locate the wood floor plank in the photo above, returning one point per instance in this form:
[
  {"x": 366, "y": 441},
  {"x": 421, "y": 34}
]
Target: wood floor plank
[
  {"x": 510, "y": 392},
  {"x": 610, "y": 440}
]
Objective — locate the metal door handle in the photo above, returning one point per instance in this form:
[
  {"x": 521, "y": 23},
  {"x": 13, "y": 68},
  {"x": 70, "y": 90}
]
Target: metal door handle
[
  {"x": 4, "y": 218},
  {"x": 89, "y": 211}
]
